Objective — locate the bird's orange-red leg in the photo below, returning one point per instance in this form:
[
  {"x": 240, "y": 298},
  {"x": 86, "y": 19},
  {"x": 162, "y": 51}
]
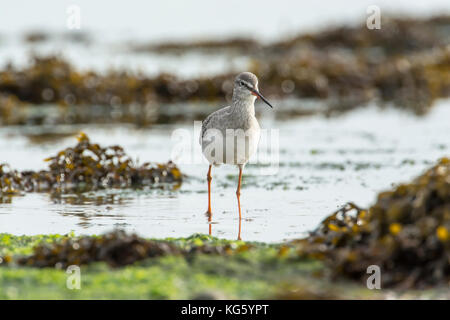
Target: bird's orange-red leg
[
  {"x": 238, "y": 194},
  {"x": 209, "y": 212}
]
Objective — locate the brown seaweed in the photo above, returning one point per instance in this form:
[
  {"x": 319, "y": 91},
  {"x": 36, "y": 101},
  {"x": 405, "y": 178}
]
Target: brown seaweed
[
  {"x": 406, "y": 233},
  {"x": 117, "y": 249},
  {"x": 87, "y": 166}
]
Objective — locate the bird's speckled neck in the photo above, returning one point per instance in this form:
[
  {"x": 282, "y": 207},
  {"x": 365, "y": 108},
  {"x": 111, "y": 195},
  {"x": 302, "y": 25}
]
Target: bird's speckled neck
[{"x": 245, "y": 105}]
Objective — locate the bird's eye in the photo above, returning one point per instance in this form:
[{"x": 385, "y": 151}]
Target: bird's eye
[{"x": 241, "y": 83}]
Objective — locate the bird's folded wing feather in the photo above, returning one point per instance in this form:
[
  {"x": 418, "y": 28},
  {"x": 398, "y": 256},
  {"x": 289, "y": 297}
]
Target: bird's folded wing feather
[
  {"x": 212, "y": 121},
  {"x": 205, "y": 127}
]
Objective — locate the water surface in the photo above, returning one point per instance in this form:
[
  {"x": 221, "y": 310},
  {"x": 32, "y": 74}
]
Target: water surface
[{"x": 323, "y": 163}]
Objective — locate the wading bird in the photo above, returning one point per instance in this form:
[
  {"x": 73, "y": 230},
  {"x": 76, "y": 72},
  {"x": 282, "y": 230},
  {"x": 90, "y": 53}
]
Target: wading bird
[{"x": 230, "y": 135}]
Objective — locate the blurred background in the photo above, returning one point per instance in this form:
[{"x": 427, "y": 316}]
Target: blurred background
[
  {"x": 357, "y": 109},
  {"x": 107, "y": 29}
]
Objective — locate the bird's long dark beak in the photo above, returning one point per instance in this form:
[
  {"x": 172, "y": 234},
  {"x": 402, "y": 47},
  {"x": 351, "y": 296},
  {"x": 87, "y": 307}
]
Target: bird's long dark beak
[{"x": 256, "y": 93}]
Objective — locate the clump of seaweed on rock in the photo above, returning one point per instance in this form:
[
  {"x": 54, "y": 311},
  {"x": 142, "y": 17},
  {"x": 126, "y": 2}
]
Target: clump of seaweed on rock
[
  {"x": 406, "y": 233},
  {"x": 88, "y": 166},
  {"x": 117, "y": 249}
]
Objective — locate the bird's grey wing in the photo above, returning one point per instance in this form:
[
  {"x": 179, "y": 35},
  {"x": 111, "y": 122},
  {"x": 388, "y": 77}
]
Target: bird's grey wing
[
  {"x": 212, "y": 121},
  {"x": 205, "y": 124}
]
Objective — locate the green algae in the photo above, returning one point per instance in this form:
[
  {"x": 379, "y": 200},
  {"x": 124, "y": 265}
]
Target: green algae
[
  {"x": 254, "y": 272},
  {"x": 265, "y": 271}
]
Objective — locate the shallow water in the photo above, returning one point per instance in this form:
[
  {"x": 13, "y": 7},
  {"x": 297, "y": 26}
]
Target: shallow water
[{"x": 323, "y": 163}]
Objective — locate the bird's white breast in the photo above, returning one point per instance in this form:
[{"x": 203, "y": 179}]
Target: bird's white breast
[{"x": 233, "y": 140}]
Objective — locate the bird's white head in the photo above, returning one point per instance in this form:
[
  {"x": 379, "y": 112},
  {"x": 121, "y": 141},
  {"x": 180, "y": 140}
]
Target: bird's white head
[{"x": 246, "y": 89}]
